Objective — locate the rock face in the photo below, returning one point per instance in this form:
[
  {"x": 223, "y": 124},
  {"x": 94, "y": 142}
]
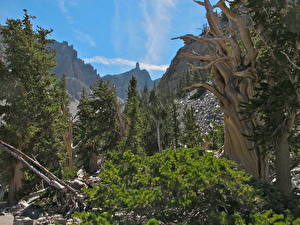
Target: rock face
[
  {"x": 169, "y": 83},
  {"x": 78, "y": 74},
  {"x": 207, "y": 110},
  {"x": 121, "y": 80}
]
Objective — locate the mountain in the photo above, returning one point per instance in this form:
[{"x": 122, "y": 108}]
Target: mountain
[
  {"x": 121, "y": 80},
  {"x": 78, "y": 74},
  {"x": 170, "y": 81}
]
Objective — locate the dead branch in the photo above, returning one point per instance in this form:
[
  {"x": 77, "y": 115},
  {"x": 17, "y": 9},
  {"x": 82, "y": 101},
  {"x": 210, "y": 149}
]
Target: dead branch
[
  {"x": 210, "y": 64},
  {"x": 243, "y": 30},
  {"x": 209, "y": 88},
  {"x": 201, "y": 38},
  {"x": 44, "y": 173},
  {"x": 288, "y": 58},
  {"x": 200, "y": 3},
  {"x": 198, "y": 57}
]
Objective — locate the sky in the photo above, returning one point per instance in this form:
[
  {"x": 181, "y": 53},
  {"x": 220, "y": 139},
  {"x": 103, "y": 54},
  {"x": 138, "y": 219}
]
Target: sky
[{"x": 113, "y": 35}]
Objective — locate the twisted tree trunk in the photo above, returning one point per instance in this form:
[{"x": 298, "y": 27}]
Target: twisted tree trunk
[{"x": 233, "y": 65}]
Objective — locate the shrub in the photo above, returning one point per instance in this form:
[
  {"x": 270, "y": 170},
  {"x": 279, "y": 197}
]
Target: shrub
[{"x": 179, "y": 186}]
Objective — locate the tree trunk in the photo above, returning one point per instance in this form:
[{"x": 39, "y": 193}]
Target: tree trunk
[
  {"x": 158, "y": 137},
  {"x": 68, "y": 147},
  {"x": 236, "y": 147},
  {"x": 93, "y": 167},
  {"x": 234, "y": 81},
  {"x": 282, "y": 164},
  {"x": 15, "y": 183}
]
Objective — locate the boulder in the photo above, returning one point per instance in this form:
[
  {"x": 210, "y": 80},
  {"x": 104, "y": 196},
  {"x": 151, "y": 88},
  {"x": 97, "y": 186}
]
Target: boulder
[{"x": 6, "y": 219}]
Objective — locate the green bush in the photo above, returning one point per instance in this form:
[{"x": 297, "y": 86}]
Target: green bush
[
  {"x": 179, "y": 186},
  {"x": 183, "y": 186}
]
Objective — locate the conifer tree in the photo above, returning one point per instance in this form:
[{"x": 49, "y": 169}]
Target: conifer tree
[
  {"x": 31, "y": 111},
  {"x": 191, "y": 134},
  {"x": 96, "y": 129},
  {"x": 175, "y": 124},
  {"x": 134, "y": 133},
  {"x": 159, "y": 113},
  {"x": 148, "y": 124}
]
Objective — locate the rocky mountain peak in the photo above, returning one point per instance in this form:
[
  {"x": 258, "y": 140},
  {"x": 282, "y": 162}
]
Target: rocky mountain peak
[
  {"x": 120, "y": 81},
  {"x": 137, "y": 66}
]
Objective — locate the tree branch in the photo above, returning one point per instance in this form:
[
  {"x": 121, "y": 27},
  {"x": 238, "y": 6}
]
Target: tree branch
[
  {"x": 48, "y": 177},
  {"x": 210, "y": 64},
  {"x": 200, "y": 3},
  {"x": 288, "y": 58},
  {"x": 243, "y": 30},
  {"x": 192, "y": 56},
  {"x": 201, "y": 38},
  {"x": 210, "y": 88}
]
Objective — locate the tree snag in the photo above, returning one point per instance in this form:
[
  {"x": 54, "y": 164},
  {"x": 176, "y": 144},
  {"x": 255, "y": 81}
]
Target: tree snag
[{"x": 233, "y": 65}]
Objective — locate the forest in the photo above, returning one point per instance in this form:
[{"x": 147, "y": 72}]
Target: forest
[{"x": 145, "y": 161}]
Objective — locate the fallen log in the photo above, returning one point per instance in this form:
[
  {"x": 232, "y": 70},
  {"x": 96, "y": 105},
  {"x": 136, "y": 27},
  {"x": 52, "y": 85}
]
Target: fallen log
[{"x": 40, "y": 171}]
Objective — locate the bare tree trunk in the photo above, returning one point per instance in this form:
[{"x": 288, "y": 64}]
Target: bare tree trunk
[
  {"x": 236, "y": 147},
  {"x": 282, "y": 164},
  {"x": 93, "y": 167},
  {"x": 68, "y": 139},
  {"x": 158, "y": 137},
  {"x": 15, "y": 183},
  {"x": 234, "y": 81}
]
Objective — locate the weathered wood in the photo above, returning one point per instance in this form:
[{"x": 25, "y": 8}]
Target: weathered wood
[
  {"x": 38, "y": 169},
  {"x": 234, "y": 81}
]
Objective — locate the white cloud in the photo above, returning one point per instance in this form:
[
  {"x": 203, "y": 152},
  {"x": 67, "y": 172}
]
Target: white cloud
[
  {"x": 85, "y": 38},
  {"x": 62, "y": 5},
  {"x": 121, "y": 61},
  {"x": 157, "y": 23}
]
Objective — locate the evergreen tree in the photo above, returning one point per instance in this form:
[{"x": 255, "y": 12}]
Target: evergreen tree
[
  {"x": 158, "y": 115},
  {"x": 96, "y": 129},
  {"x": 32, "y": 113},
  {"x": 134, "y": 133},
  {"x": 191, "y": 134},
  {"x": 277, "y": 99},
  {"x": 148, "y": 124},
  {"x": 175, "y": 124}
]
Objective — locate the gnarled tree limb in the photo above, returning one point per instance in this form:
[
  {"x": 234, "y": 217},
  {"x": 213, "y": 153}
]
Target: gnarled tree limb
[
  {"x": 39, "y": 170},
  {"x": 210, "y": 88},
  {"x": 209, "y": 65},
  {"x": 199, "y": 57},
  {"x": 243, "y": 30}
]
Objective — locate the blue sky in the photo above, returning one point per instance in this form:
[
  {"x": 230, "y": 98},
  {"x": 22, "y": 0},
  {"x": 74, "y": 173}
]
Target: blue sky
[{"x": 113, "y": 34}]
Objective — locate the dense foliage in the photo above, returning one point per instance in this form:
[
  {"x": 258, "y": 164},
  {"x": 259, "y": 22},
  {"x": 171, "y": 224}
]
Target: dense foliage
[
  {"x": 96, "y": 129},
  {"x": 182, "y": 186},
  {"x": 277, "y": 99},
  {"x": 32, "y": 99}
]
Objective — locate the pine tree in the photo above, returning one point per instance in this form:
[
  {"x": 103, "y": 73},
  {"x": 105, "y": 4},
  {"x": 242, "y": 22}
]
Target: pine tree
[
  {"x": 155, "y": 107},
  {"x": 191, "y": 134},
  {"x": 134, "y": 133},
  {"x": 96, "y": 129},
  {"x": 32, "y": 114},
  {"x": 175, "y": 124}
]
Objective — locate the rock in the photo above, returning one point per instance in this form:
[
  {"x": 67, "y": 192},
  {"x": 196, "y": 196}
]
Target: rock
[
  {"x": 79, "y": 75},
  {"x": 206, "y": 109},
  {"x": 78, "y": 184},
  {"x": 170, "y": 81},
  {"x": 32, "y": 212},
  {"x": 121, "y": 80},
  {"x": 58, "y": 219},
  {"x": 24, "y": 221},
  {"x": 295, "y": 172},
  {"x": 7, "y": 219}
]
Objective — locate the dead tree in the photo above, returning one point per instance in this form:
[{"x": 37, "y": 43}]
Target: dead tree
[
  {"x": 42, "y": 172},
  {"x": 233, "y": 63}
]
